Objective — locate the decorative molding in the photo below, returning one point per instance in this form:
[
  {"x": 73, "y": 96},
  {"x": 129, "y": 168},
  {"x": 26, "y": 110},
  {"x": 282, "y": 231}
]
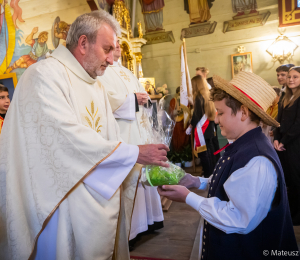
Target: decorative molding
[
  {"x": 246, "y": 21},
  {"x": 159, "y": 37},
  {"x": 288, "y": 12},
  {"x": 196, "y": 49},
  {"x": 196, "y": 30}
]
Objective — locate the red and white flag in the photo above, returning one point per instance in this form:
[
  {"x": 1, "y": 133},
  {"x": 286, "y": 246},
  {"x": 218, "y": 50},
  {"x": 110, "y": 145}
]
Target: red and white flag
[
  {"x": 186, "y": 94},
  {"x": 199, "y": 142}
]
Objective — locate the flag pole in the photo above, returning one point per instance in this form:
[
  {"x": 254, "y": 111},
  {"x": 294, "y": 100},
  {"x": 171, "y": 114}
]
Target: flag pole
[
  {"x": 189, "y": 94},
  {"x": 186, "y": 68}
]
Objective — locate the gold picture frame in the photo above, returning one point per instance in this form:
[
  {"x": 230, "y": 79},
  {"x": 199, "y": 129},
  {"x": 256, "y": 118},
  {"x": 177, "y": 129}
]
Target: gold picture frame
[
  {"x": 10, "y": 81},
  {"x": 149, "y": 85},
  {"x": 241, "y": 62}
]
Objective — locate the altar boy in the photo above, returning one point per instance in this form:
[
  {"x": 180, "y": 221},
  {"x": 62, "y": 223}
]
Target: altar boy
[{"x": 246, "y": 213}]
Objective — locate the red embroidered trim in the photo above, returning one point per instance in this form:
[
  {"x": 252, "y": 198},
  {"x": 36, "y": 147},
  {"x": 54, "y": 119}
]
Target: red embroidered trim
[{"x": 220, "y": 150}]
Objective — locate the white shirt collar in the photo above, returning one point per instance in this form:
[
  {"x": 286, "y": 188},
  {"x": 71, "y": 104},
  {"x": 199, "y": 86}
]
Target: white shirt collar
[{"x": 116, "y": 63}]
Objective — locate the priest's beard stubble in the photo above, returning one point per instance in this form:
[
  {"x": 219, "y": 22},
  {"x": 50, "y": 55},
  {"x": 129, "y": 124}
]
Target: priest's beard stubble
[{"x": 93, "y": 66}]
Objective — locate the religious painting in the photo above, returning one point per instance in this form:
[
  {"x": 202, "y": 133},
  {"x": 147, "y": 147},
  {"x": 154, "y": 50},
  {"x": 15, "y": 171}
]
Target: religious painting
[
  {"x": 149, "y": 85},
  {"x": 10, "y": 13},
  {"x": 289, "y": 12},
  {"x": 18, "y": 52},
  {"x": 153, "y": 17},
  {"x": 38, "y": 50},
  {"x": 153, "y": 14},
  {"x": 59, "y": 32},
  {"x": 246, "y": 16},
  {"x": 241, "y": 62},
  {"x": 199, "y": 10},
  {"x": 9, "y": 81},
  {"x": 242, "y": 7}
]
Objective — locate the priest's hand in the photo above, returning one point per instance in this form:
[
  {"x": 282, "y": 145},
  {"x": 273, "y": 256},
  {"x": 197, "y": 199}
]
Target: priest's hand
[
  {"x": 173, "y": 192},
  {"x": 142, "y": 98},
  {"x": 189, "y": 181},
  {"x": 153, "y": 154}
]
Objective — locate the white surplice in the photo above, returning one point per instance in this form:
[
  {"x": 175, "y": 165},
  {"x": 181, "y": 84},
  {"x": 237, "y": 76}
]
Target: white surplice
[
  {"x": 121, "y": 84},
  {"x": 250, "y": 190},
  {"x": 67, "y": 181}
]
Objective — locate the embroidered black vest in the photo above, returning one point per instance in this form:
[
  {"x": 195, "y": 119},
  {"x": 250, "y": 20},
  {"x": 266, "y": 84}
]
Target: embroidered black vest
[{"x": 275, "y": 232}]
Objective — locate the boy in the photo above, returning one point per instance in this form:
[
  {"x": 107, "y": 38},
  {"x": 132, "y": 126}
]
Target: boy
[
  {"x": 282, "y": 73},
  {"x": 246, "y": 211},
  {"x": 4, "y": 103}
]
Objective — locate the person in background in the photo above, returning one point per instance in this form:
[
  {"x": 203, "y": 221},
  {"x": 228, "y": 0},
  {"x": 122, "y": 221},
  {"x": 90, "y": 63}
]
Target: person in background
[
  {"x": 282, "y": 77},
  {"x": 287, "y": 141},
  {"x": 210, "y": 82},
  {"x": 282, "y": 73},
  {"x": 203, "y": 125},
  {"x": 4, "y": 103},
  {"x": 273, "y": 112},
  {"x": 127, "y": 98},
  {"x": 203, "y": 72},
  {"x": 179, "y": 138}
]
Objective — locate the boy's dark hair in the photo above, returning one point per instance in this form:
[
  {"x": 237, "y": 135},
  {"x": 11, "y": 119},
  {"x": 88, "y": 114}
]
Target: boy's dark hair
[
  {"x": 3, "y": 88},
  {"x": 277, "y": 90},
  {"x": 178, "y": 90},
  {"x": 285, "y": 67},
  {"x": 217, "y": 94}
]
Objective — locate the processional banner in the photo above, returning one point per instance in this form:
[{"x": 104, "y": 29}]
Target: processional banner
[{"x": 186, "y": 95}]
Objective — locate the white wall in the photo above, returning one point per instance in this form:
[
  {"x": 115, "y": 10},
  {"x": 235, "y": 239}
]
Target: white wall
[{"x": 162, "y": 60}]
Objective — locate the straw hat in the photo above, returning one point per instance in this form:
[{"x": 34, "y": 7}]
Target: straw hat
[{"x": 252, "y": 91}]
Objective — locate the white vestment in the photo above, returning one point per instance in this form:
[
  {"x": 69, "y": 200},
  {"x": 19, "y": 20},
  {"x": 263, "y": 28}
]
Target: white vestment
[
  {"x": 121, "y": 84},
  {"x": 62, "y": 164}
]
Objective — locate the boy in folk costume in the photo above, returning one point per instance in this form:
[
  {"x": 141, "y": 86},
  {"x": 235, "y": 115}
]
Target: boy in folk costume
[{"x": 246, "y": 211}]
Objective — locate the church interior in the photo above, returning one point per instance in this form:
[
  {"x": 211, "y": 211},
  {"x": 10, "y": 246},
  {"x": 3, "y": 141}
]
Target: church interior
[{"x": 164, "y": 44}]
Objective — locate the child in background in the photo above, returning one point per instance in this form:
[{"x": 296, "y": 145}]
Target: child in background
[
  {"x": 287, "y": 141},
  {"x": 4, "y": 104},
  {"x": 282, "y": 77}
]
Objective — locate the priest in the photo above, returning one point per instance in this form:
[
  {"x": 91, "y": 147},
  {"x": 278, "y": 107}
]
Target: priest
[
  {"x": 67, "y": 180},
  {"x": 126, "y": 96}
]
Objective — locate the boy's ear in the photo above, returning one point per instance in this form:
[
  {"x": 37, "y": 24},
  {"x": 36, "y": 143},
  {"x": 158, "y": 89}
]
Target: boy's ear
[{"x": 245, "y": 112}]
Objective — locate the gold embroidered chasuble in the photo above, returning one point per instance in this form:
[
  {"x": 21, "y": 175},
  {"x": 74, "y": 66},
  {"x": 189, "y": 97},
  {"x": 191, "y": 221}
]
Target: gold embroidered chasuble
[
  {"x": 59, "y": 127},
  {"x": 119, "y": 82}
]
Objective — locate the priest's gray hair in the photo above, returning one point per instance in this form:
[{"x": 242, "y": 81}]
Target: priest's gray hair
[{"x": 88, "y": 24}]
